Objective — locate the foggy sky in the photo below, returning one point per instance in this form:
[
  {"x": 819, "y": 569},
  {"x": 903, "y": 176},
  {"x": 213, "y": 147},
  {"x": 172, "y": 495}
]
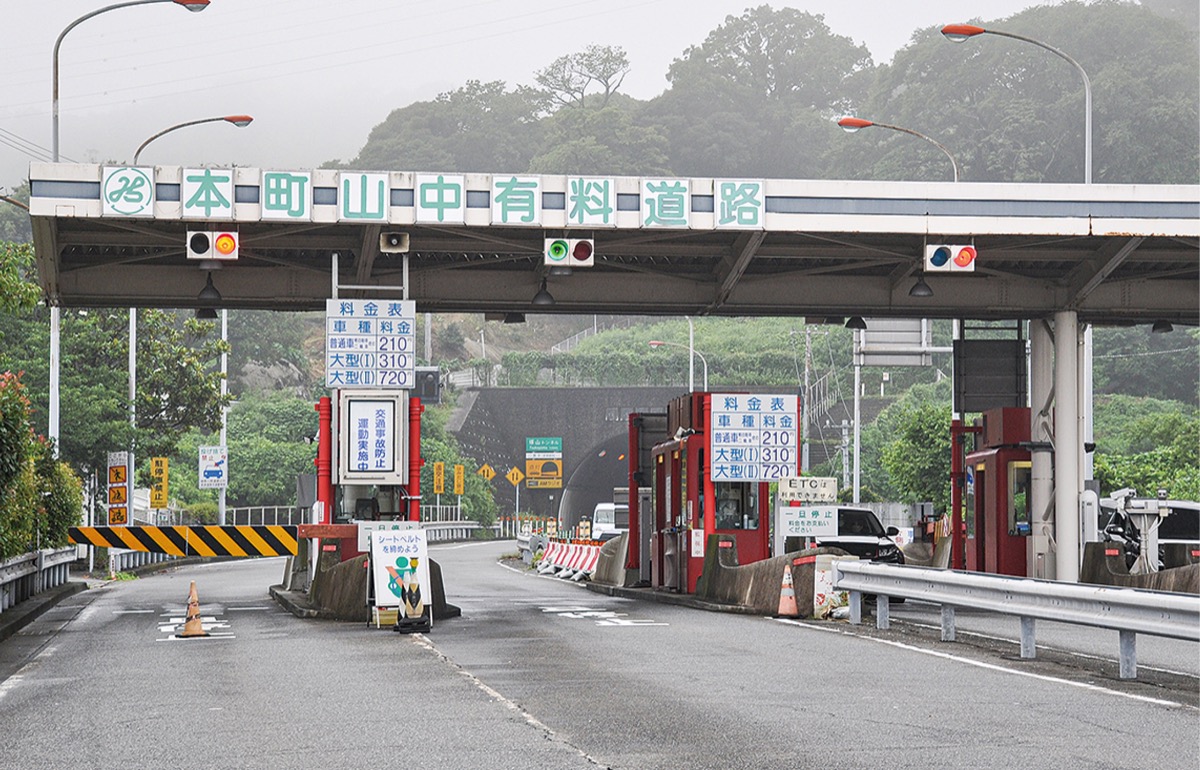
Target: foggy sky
[{"x": 318, "y": 75}]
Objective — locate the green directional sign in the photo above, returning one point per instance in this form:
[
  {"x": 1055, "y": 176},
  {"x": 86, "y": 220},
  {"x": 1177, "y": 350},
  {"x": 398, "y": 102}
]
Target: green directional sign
[{"x": 538, "y": 445}]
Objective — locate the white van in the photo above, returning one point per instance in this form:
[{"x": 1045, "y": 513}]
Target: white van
[{"x": 609, "y": 520}]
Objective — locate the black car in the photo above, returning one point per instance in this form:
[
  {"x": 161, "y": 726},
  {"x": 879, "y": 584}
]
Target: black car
[{"x": 860, "y": 534}]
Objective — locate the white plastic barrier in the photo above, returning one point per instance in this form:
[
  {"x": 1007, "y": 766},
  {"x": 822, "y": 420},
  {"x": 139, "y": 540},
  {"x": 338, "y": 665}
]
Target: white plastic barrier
[{"x": 569, "y": 560}]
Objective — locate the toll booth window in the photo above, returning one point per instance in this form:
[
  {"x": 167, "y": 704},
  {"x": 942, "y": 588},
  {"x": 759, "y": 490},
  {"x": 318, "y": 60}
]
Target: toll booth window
[
  {"x": 1019, "y": 474},
  {"x": 737, "y": 505}
]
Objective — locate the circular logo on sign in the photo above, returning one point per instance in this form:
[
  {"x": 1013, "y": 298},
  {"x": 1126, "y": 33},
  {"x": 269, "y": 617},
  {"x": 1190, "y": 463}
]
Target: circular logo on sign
[{"x": 127, "y": 191}]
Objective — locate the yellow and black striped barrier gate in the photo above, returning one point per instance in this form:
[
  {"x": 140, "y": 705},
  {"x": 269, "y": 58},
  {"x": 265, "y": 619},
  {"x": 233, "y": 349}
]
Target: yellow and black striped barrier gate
[{"x": 193, "y": 540}]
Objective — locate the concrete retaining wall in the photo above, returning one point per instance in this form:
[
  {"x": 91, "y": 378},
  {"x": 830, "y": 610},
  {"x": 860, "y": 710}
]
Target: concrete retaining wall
[
  {"x": 1104, "y": 564},
  {"x": 757, "y": 586}
]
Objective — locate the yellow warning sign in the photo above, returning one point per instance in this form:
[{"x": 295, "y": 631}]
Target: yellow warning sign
[
  {"x": 515, "y": 476},
  {"x": 439, "y": 478},
  {"x": 486, "y": 471},
  {"x": 543, "y": 474},
  {"x": 459, "y": 481},
  {"x": 116, "y": 474},
  {"x": 118, "y": 516},
  {"x": 117, "y": 495}
]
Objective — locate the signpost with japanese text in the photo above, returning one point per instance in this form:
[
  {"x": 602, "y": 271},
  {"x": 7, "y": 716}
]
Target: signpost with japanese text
[
  {"x": 754, "y": 437},
  {"x": 400, "y": 571},
  {"x": 118, "y": 488},
  {"x": 372, "y": 437},
  {"x": 806, "y": 506},
  {"x": 370, "y": 343},
  {"x": 159, "y": 487},
  {"x": 214, "y": 467},
  {"x": 543, "y": 462}
]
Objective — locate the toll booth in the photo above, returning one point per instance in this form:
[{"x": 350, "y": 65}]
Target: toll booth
[
  {"x": 689, "y": 505},
  {"x": 996, "y": 494}
]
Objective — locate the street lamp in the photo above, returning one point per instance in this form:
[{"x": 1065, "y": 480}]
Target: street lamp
[
  {"x": 191, "y": 5},
  {"x": 692, "y": 352},
  {"x": 55, "y": 316},
  {"x": 851, "y": 124},
  {"x": 958, "y": 33},
  {"x": 241, "y": 121}
]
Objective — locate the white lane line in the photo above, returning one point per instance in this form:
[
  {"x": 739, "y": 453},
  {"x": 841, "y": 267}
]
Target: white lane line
[
  {"x": 247, "y": 609},
  {"x": 132, "y": 612},
  {"x": 992, "y": 666},
  {"x": 14, "y": 681},
  {"x": 1050, "y": 648},
  {"x": 422, "y": 641}
]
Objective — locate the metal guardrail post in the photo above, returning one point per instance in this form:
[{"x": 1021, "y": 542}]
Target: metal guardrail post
[
  {"x": 1028, "y": 643},
  {"x": 948, "y": 629},
  {"x": 1128, "y": 655}
]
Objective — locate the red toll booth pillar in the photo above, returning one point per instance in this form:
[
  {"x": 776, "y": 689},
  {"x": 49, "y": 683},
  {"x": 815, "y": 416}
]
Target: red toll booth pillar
[
  {"x": 414, "y": 458},
  {"x": 324, "y": 461},
  {"x": 633, "y": 551}
]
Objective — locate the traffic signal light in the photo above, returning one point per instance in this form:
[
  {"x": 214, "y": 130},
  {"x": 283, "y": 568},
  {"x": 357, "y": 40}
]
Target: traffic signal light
[
  {"x": 569, "y": 252},
  {"x": 949, "y": 258},
  {"x": 212, "y": 244}
]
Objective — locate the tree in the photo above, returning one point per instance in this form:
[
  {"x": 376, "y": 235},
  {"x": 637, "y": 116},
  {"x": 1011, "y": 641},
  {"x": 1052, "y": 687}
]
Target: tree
[
  {"x": 178, "y": 383},
  {"x": 480, "y": 126},
  {"x": 566, "y": 80},
  {"x": 755, "y": 98},
  {"x": 602, "y": 141},
  {"x": 15, "y": 225},
  {"x": 918, "y": 459},
  {"x": 1012, "y": 112}
]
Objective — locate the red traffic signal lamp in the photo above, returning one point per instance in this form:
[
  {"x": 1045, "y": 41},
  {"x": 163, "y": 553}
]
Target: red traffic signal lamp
[
  {"x": 569, "y": 252},
  {"x": 949, "y": 258},
  {"x": 212, "y": 244}
]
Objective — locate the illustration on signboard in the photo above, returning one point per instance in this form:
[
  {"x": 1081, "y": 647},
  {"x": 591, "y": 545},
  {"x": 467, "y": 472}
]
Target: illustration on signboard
[{"x": 406, "y": 586}]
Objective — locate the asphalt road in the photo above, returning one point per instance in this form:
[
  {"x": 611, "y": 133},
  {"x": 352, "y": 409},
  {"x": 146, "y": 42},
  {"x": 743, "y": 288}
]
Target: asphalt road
[{"x": 538, "y": 673}]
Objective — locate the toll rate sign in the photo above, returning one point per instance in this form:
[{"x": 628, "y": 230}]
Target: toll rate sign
[{"x": 754, "y": 437}]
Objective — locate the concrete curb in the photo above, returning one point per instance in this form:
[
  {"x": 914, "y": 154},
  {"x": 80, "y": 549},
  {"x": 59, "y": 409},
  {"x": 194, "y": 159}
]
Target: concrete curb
[
  {"x": 17, "y": 617},
  {"x": 296, "y": 602},
  {"x": 666, "y": 597}
]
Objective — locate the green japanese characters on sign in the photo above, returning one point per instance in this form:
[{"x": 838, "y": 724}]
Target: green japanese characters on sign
[
  {"x": 665, "y": 203},
  {"x": 287, "y": 195},
  {"x": 127, "y": 192},
  {"x": 207, "y": 193},
  {"x": 516, "y": 200},
  {"x": 362, "y": 197},
  {"x": 441, "y": 198},
  {"x": 591, "y": 202},
  {"x": 739, "y": 204}
]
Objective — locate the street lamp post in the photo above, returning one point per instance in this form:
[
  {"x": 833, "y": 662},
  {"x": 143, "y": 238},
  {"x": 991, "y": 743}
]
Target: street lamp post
[
  {"x": 851, "y": 124},
  {"x": 958, "y": 33},
  {"x": 55, "y": 315},
  {"x": 241, "y": 121},
  {"x": 691, "y": 351}
]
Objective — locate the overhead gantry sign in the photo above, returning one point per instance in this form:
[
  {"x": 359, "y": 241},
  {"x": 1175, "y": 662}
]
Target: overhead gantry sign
[{"x": 118, "y": 236}]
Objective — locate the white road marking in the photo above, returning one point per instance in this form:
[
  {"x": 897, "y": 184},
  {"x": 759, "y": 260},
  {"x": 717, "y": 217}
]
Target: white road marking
[
  {"x": 132, "y": 612},
  {"x": 14, "y": 681},
  {"x": 991, "y": 666},
  {"x": 422, "y": 641},
  {"x": 1049, "y": 648}
]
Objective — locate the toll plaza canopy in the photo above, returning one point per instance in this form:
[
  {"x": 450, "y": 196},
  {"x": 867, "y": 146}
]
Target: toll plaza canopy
[{"x": 117, "y": 236}]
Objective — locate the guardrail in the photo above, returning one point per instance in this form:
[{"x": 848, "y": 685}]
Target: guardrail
[
  {"x": 449, "y": 530},
  {"x": 23, "y": 576},
  {"x": 1130, "y": 611},
  {"x": 120, "y": 559}
]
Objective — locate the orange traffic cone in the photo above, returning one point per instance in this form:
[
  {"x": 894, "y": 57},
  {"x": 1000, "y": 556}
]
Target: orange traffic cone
[
  {"x": 192, "y": 626},
  {"x": 787, "y": 596}
]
